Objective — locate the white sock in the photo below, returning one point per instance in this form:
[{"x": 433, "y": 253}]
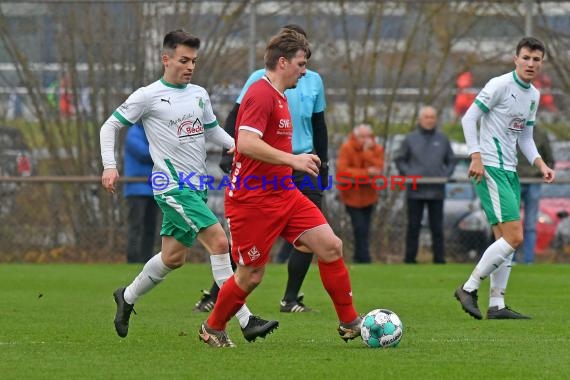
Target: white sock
[
  {"x": 222, "y": 270},
  {"x": 499, "y": 280},
  {"x": 243, "y": 315},
  {"x": 492, "y": 259},
  {"x": 152, "y": 274}
]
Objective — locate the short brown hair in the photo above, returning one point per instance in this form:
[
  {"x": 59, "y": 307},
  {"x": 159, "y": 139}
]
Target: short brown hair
[
  {"x": 179, "y": 37},
  {"x": 298, "y": 29},
  {"x": 531, "y": 43},
  {"x": 285, "y": 44}
]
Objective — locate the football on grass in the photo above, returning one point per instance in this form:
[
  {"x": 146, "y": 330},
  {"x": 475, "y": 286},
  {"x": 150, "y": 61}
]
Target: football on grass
[{"x": 381, "y": 328}]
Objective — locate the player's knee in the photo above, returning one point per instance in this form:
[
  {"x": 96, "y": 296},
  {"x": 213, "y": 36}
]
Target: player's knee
[
  {"x": 220, "y": 244},
  {"x": 335, "y": 248},
  {"x": 248, "y": 281},
  {"x": 255, "y": 279},
  {"x": 174, "y": 260},
  {"x": 516, "y": 240}
]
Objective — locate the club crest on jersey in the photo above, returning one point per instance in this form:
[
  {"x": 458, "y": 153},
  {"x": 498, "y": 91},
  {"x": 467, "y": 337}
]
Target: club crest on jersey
[
  {"x": 254, "y": 253},
  {"x": 279, "y": 103},
  {"x": 517, "y": 124},
  {"x": 532, "y": 105}
]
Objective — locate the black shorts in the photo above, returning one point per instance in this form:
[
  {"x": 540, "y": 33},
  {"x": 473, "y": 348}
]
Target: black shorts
[{"x": 312, "y": 191}]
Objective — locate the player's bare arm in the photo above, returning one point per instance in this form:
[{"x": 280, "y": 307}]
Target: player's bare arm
[
  {"x": 476, "y": 167},
  {"x": 250, "y": 144}
]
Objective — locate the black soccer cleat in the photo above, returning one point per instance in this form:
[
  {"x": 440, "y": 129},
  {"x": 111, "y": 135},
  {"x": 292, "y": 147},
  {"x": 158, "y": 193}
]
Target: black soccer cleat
[
  {"x": 205, "y": 304},
  {"x": 123, "y": 313},
  {"x": 468, "y": 302},
  {"x": 258, "y": 328},
  {"x": 505, "y": 313},
  {"x": 296, "y": 306}
]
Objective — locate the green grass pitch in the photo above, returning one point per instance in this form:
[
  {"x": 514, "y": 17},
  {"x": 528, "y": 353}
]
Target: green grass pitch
[{"x": 56, "y": 323}]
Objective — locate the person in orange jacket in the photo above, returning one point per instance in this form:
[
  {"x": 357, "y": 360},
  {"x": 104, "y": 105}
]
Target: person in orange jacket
[{"x": 360, "y": 155}]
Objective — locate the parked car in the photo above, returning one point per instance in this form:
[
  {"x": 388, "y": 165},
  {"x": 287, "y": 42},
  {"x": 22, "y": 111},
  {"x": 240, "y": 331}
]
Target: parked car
[
  {"x": 561, "y": 242},
  {"x": 470, "y": 234},
  {"x": 554, "y": 201},
  {"x": 467, "y": 232}
]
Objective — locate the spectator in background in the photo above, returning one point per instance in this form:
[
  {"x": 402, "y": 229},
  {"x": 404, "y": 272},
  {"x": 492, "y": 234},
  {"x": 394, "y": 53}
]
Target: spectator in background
[
  {"x": 360, "y": 156},
  {"x": 465, "y": 93},
  {"x": 425, "y": 152},
  {"x": 544, "y": 84},
  {"x": 143, "y": 209},
  {"x": 530, "y": 192},
  {"x": 66, "y": 107}
]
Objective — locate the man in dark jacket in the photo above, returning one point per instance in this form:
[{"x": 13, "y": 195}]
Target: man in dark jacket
[
  {"x": 143, "y": 209},
  {"x": 425, "y": 152},
  {"x": 530, "y": 192}
]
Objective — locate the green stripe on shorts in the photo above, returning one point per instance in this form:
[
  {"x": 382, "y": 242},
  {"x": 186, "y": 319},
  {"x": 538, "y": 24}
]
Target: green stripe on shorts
[
  {"x": 185, "y": 214},
  {"x": 500, "y": 195}
]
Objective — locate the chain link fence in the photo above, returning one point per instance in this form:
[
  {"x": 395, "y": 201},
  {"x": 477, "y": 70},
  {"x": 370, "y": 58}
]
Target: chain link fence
[{"x": 72, "y": 219}]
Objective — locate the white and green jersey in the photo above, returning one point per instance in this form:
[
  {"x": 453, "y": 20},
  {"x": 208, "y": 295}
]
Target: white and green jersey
[
  {"x": 509, "y": 106},
  {"x": 174, "y": 119}
]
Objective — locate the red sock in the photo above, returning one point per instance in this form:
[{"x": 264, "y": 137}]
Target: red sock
[
  {"x": 337, "y": 283},
  {"x": 230, "y": 299}
]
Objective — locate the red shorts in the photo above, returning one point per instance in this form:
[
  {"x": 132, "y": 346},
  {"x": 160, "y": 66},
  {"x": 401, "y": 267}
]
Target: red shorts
[{"x": 254, "y": 229}]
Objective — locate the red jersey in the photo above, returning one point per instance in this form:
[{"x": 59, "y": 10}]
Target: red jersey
[{"x": 264, "y": 111}]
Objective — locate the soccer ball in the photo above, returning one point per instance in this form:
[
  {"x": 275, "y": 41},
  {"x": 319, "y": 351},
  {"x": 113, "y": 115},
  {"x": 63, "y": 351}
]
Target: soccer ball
[{"x": 381, "y": 328}]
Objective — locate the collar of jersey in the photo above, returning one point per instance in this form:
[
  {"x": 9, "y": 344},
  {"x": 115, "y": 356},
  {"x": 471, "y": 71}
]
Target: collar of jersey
[
  {"x": 521, "y": 83},
  {"x": 265, "y": 78},
  {"x": 172, "y": 85}
]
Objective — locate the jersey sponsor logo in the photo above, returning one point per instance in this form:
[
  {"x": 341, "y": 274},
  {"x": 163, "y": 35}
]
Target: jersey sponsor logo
[
  {"x": 254, "y": 253},
  {"x": 284, "y": 127},
  {"x": 190, "y": 128},
  {"x": 285, "y": 123},
  {"x": 517, "y": 125}
]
